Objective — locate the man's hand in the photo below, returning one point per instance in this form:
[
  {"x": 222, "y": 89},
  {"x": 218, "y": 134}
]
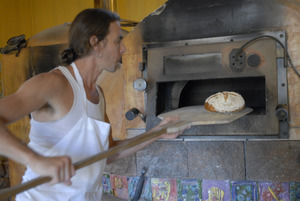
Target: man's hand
[{"x": 60, "y": 169}]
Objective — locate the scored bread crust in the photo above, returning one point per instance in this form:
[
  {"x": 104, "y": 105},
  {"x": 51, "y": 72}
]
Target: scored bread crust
[{"x": 224, "y": 102}]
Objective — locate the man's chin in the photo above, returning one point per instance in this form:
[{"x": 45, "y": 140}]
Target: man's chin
[{"x": 117, "y": 67}]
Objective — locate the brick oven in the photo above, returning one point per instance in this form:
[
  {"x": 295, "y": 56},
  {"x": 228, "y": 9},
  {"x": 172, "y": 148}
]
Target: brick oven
[{"x": 187, "y": 50}]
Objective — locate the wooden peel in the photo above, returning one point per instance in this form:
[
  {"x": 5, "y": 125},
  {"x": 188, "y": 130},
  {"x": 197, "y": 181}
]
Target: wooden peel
[
  {"x": 189, "y": 116},
  {"x": 6, "y": 193},
  {"x": 198, "y": 115}
]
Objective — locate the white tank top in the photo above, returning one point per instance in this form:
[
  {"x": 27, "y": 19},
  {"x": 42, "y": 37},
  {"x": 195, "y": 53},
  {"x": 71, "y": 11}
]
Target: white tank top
[
  {"x": 57, "y": 129},
  {"x": 77, "y": 135}
]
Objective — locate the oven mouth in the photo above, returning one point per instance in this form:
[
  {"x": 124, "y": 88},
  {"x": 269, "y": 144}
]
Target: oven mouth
[
  {"x": 185, "y": 73},
  {"x": 177, "y": 94}
]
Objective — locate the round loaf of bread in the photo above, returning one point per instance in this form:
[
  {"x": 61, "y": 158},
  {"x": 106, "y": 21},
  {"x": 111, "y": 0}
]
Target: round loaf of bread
[{"x": 223, "y": 102}]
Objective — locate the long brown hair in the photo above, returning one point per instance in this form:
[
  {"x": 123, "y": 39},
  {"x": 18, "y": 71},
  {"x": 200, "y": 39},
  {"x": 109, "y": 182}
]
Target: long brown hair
[{"x": 87, "y": 23}]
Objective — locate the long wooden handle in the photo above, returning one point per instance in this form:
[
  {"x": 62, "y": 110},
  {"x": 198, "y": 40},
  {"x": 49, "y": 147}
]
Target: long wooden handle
[{"x": 6, "y": 193}]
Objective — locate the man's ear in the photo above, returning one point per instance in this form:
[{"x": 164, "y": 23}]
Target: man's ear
[{"x": 93, "y": 42}]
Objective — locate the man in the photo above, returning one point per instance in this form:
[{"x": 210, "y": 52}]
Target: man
[{"x": 68, "y": 113}]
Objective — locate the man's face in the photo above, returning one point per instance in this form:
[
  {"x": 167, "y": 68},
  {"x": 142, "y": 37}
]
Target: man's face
[{"x": 113, "y": 47}]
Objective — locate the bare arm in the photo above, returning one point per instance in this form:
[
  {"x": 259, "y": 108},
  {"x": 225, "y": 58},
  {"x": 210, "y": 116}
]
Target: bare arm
[{"x": 31, "y": 96}]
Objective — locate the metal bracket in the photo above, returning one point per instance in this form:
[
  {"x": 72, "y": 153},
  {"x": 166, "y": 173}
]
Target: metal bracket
[
  {"x": 237, "y": 60},
  {"x": 139, "y": 186},
  {"x": 282, "y": 116},
  {"x": 284, "y": 128},
  {"x": 133, "y": 113}
]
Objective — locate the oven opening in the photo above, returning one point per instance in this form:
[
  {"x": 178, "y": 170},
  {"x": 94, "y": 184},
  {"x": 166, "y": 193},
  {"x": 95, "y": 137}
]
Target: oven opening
[{"x": 178, "y": 94}]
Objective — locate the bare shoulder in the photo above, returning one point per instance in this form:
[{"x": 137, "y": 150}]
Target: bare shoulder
[
  {"x": 53, "y": 81},
  {"x": 49, "y": 88},
  {"x": 54, "y": 95},
  {"x": 54, "y": 75},
  {"x": 46, "y": 87}
]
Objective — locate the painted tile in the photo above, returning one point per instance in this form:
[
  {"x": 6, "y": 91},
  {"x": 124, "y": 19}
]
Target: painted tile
[
  {"x": 273, "y": 191},
  {"x": 244, "y": 190},
  {"x": 163, "y": 189},
  {"x": 132, "y": 183},
  {"x": 216, "y": 190},
  {"x": 189, "y": 190},
  {"x": 147, "y": 191},
  {"x": 106, "y": 183},
  {"x": 295, "y": 191},
  {"x": 120, "y": 186}
]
